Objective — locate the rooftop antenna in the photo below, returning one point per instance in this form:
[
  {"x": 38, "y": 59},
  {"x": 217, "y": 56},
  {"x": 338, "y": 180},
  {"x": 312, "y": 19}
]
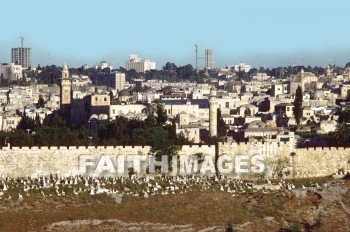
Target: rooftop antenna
[
  {"x": 196, "y": 56},
  {"x": 22, "y": 39},
  {"x": 259, "y": 63}
]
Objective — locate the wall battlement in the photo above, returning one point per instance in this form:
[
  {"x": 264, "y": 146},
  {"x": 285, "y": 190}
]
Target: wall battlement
[
  {"x": 64, "y": 160},
  {"x": 193, "y": 146},
  {"x": 74, "y": 148},
  {"x": 325, "y": 148}
]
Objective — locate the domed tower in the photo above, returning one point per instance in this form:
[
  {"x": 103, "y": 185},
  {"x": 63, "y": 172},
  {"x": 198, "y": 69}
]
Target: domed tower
[
  {"x": 213, "y": 112},
  {"x": 66, "y": 93}
]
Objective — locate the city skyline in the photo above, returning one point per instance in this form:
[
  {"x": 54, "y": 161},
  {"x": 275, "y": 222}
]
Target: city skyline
[{"x": 277, "y": 33}]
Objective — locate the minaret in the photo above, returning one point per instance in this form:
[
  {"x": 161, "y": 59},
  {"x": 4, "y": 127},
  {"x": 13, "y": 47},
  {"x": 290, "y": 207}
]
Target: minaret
[
  {"x": 213, "y": 112},
  {"x": 66, "y": 91},
  {"x": 328, "y": 71},
  {"x": 302, "y": 83}
]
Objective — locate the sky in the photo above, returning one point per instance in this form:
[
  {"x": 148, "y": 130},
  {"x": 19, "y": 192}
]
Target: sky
[{"x": 271, "y": 32}]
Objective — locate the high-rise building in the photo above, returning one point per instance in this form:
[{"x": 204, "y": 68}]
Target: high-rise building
[
  {"x": 140, "y": 65},
  {"x": 22, "y": 56},
  {"x": 115, "y": 80},
  {"x": 209, "y": 58}
]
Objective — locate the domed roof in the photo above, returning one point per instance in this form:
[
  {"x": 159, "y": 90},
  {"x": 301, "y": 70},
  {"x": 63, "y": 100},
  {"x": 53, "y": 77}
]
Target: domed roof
[
  {"x": 332, "y": 122},
  {"x": 94, "y": 116},
  {"x": 141, "y": 115},
  {"x": 124, "y": 92},
  {"x": 256, "y": 124},
  {"x": 103, "y": 117},
  {"x": 130, "y": 114},
  {"x": 318, "y": 94}
]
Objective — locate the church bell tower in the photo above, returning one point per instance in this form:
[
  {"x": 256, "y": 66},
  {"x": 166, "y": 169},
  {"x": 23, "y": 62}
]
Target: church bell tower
[{"x": 66, "y": 93}]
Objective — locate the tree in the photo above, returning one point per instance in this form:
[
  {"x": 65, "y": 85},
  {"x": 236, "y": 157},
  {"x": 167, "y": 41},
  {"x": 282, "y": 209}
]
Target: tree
[
  {"x": 221, "y": 125},
  {"x": 37, "y": 120},
  {"x": 279, "y": 166},
  {"x": 26, "y": 123},
  {"x": 342, "y": 134},
  {"x": 139, "y": 137},
  {"x": 170, "y": 67},
  {"x": 150, "y": 121},
  {"x": 111, "y": 96},
  {"x": 298, "y": 101},
  {"x": 161, "y": 117},
  {"x": 41, "y": 102},
  {"x": 344, "y": 115},
  {"x": 160, "y": 142}
]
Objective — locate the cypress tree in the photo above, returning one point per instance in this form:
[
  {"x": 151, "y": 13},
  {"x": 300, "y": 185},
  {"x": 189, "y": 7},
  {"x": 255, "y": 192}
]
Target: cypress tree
[{"x": 298, "y": 101}]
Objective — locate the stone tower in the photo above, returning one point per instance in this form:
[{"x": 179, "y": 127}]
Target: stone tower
[
  {"x": 328, "y": 71},
  {"x": 302, "y": 81},
  {"x": 66, "y": 93},
  {"x": 213, "y": 112}
]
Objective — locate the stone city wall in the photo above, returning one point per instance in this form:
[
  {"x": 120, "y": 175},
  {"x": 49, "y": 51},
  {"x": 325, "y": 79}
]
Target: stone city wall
[
  {"x": 35, "y": 161},
  {"x": 38, "y": 161},
  {"x": 303, "y": 162},
  {"x": 320, "y": 161}
]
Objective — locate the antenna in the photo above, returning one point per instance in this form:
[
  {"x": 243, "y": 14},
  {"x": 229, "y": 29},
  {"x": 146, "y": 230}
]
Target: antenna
[
  {"x": 22, "y": 39},
  {"x": 259, "y": 63},
  {"x": 196, "y": 56}
]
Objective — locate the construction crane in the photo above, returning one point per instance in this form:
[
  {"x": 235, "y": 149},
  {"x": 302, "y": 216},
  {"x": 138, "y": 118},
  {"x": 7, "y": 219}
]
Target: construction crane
[
  {"x": 22, "y": 39},
  {"x": 197, "y": 58}
]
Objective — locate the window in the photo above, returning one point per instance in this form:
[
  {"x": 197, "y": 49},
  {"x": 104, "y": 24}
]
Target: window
[{"x": 227, "y": 105}]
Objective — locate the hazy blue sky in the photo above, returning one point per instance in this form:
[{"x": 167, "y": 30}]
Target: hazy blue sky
[{"x": 281, "y": 32}]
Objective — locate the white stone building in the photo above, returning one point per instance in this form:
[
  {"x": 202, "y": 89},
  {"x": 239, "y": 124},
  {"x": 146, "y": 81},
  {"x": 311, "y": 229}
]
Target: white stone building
[
  {"x": 140, "y": 65},
  {"x": 327, "y": 126},
  {"x": 11, "y": 72},
  {"x": 102, "y": 65},
  {"x": 241, "y": 67},
  {"x": 123, "y": 110},
  {"x": 9, "y": 121},
  {"x": 188, "y": 130}
]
